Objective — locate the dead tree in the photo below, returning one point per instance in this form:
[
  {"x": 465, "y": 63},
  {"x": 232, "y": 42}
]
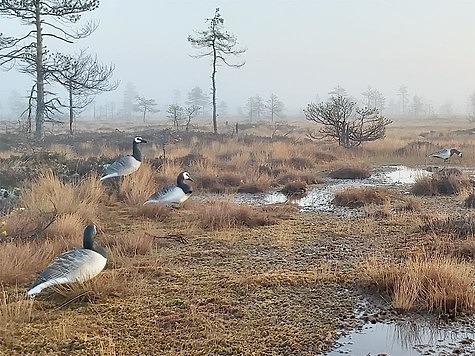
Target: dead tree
[
  {"x": 274, "y": 106},
  {"x": 190, "y": 113},
  {"x": 175, "y": 112},
  {"x": 144, "y": 106},
  {"x": 45, "y": 19},
  {"x": 343, "y": 122},
  {"x": 218, "y": 44},
  {"x": 83, "y": 77}
]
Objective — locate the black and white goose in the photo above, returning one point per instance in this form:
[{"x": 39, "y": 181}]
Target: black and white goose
[
  {"x": 173, "y": 194},
  {"x": 76, "y": 265},
  {"x": 128, "y": 164},
  {"x": 446, "y": 153}
]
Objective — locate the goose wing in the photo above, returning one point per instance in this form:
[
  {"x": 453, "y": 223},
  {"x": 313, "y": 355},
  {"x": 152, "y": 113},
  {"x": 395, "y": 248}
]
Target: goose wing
[
  {"x": 75, "y": 265},
  {"x": 122, "y": 167},
  {"x": 441, "y": 152},
  {"x": 170, "y": 194}
]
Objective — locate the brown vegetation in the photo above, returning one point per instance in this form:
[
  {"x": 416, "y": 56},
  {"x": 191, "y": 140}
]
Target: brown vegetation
[
  {"x": 435, "y": 283},
  {"x": 442, "y": 183},
  {"x": 360, "y": 196},
  {"x": 350, "y": 170}
]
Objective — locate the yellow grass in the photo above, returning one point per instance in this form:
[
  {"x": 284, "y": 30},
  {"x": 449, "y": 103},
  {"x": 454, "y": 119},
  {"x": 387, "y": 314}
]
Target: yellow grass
[
  {"x": 136, "y": 188},
  {"x": 434, "y": 283}
]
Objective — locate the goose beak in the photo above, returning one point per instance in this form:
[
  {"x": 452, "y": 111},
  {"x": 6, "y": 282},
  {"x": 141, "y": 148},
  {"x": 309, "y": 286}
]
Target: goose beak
[{"x": 144, "y": 141}]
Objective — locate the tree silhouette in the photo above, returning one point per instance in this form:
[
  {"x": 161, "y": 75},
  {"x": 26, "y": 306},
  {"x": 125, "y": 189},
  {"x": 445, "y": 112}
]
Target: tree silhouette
[
  {"x": 219, "y": 44},
  {"x": 144, "y": 106},
  {"x": 45, "y": 19},
  {"x": 345, "y": 123},
  {"x": 83, "y": 76}
]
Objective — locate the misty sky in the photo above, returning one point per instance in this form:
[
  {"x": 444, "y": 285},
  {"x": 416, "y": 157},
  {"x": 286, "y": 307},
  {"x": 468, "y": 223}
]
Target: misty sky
[{"x": 296, "y": 49}]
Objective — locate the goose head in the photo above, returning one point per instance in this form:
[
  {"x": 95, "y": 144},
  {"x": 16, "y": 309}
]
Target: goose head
[
  {"x": 139, "y": 139},
  {"x": 454, "y": 151},
  {"x": 184, "y": 176}
]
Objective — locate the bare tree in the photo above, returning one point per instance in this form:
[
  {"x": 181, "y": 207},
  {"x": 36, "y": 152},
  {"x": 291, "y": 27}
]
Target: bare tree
[
  {"x": 219, "y": 44},
  {"x": 190, "y": 113},
  {"x": 417, "y": 105},
  {"x": 274, "y": 106},
  {"x": 222, "y": 108},
  {"x": 46, "y": 19},
  {"x": 338, "y": 91},
  {"x": 404, "y": 98},
  {"x": 345, "y": 123},
  {"x": 144, "y": 106},
  {"x": 196, "y": 97},
  {"x": 83, "y": 76},
  {"x": 175, "y": 112}
]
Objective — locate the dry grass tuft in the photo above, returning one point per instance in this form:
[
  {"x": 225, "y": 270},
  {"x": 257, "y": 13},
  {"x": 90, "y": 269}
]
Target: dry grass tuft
[
  {"x": 250, "y": 188},
  {"x": 442, "y": 183},
  {"x": 289, "y": 177},
  {"x": 470, "y": 201},
  {"x": 458, "y": 226},
  {"x": 221, "y": 214},
  {"x": 350, "y": 170},
  {"x": 360, "y": 196},
  {"x": 154, "y": 211},
  {"x": 21, "y": 260},
  {"x": 293, "y": 189},
  {"x": 130, "y": 244},
  {"x": 137, "y": 187},
  {"x": 218, "y": 184},
  {"x": 15, "y": 307},
  {"x": 324, "y": 156},
  {"x": 51, "y": 206},
  {"x": 434, "y": 283},
  {"x": 109, "y": 283}
]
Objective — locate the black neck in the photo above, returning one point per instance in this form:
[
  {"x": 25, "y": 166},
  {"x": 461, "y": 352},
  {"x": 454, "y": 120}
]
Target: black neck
[
  {"x": 136, "y": 152},
  {"x": 185, "y": 187}
]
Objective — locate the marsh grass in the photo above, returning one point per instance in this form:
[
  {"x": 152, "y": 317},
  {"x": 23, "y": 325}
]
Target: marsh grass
[
  {"x": 221, "y": 214},
  {"x": 469, "y": 201},
  {"x": 15, "y": 307},
  {"x": 21, "y": 260},
  {"x": 457, "y": 226},
  {"x": 442, "y": 183},
  {"x": 360, "y": 196},
  {"x": 49, "y": 206},
  {"x": 137, "y": 187},
  {"x": 350, "y": 170},
  {"x": 434, "y": 283},
  {"x": 109, "y": 283}
]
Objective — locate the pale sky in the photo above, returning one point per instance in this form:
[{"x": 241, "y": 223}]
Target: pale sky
[{"x": 296, "y": 49}]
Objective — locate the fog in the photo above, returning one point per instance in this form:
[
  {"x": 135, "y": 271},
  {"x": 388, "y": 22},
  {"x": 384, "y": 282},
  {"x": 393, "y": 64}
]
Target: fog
[{"x": 298, "y": 50}]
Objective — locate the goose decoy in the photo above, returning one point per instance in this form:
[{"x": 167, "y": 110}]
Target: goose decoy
[
  {"x": 446, "y": 153},
  {"x": 128, "y": 164},
  {"x": 76, "y": 265},
  {"x": 173, "y": 194}
]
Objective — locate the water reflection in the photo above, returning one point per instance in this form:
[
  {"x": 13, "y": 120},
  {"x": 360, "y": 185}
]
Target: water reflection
[
  {"x": 407, "y": 338},
  {"x": 320, "y": 197}
]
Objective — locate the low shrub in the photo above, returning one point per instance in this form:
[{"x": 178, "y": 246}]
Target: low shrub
[
  {"x": 445, "y": 182},
  {"x": 221, "y": 214},
  {"x": 294, "y": 189},
  {"x": 360, "y": 196},
  {"x": 350, "y": 170},
  {"x": 433, "y": 283}
]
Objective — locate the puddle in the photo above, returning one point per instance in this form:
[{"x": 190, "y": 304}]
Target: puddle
[
  {"x": 320, "y": 197},
  {"x": 397, "y": 175},
  {"x": 407, "y": 339}
]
